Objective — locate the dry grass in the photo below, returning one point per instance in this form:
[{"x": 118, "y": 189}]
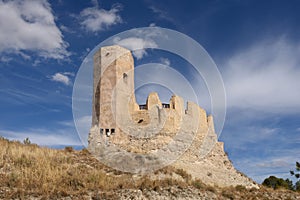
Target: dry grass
[
  {"x": 32, "y": 170},
  {"x": 44, "y": 171}
]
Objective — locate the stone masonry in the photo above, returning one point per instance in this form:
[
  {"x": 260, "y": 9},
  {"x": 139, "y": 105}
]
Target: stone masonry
[{"x": 125, "y": 135}]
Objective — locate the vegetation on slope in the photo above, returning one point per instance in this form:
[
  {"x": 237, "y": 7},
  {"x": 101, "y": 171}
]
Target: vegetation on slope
[
  {"x": 276, "y": 183},
  {"x": 30, "y": 169},
  {"x": 27, "y": 170}
]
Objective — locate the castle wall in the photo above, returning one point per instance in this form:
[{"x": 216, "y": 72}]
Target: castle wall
[
  {"x": 114, "y": 105},
  {"x": 153, "y": 100}
]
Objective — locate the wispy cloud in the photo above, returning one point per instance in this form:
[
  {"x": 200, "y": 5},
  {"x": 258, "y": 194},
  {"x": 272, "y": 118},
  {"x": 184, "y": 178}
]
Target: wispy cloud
[
  {"x": 95, "y": 19},
  {"x": 20, "y": 97},
  {"x": 66, "y": 29},
  {"x": 259, "y": 144},
  {"x": 5, "y": 59},
  {"x": 62, "y": 77},
  {"x": 265, "y": 77},
  {"x": 136, "y": 43},
  {"x": 30, "y": 25},
  {"x": 140, "y": 41},
  {"x": 160, "y": 13},
  {"x": 275, "y": 163},
  {"x": 44, "y": 137},
  {"x": 261, "y": 168},
  {"x": 152, "y": 25},
  {"x": 165, "y": 61}
]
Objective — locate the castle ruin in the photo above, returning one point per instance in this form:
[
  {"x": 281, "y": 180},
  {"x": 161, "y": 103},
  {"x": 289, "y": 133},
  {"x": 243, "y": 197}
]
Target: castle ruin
[{"x": 126, "y": 135}]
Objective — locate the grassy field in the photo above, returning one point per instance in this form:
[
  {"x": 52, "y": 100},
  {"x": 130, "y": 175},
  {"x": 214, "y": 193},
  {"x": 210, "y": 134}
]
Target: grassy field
[{"x": 27, "y": 170}]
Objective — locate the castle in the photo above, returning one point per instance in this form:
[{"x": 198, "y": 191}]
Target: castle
[{"x": 143, "y": 138}]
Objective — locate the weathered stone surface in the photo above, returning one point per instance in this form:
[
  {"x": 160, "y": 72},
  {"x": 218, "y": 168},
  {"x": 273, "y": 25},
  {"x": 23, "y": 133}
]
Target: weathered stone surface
[
  {"x": 153, "y": 100},
  {"x": 142, "y": 139}
]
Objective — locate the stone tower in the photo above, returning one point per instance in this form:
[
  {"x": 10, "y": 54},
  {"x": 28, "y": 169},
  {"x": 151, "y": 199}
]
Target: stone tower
[{"x": 113, "y": 85}]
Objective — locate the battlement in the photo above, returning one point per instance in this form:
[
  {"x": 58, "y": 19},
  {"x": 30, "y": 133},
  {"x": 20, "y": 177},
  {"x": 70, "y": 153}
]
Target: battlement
[{"x": 114, "y": 99}]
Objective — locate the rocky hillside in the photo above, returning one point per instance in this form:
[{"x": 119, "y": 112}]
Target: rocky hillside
[{"x": 32, "y": 172}]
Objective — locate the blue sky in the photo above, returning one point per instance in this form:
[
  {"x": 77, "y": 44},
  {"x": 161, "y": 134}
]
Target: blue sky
[{"x": 255, "y": 45}]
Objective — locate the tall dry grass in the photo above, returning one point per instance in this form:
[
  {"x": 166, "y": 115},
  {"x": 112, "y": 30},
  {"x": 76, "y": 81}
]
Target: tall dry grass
[
  {"x": 44, "y": 171},
  {"x": 30, "y": 169}
]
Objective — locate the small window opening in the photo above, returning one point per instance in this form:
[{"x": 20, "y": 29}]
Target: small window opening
[
  {"x": 165, "y": 105},
  {"x": 125, "y": 77},
  {"x": 112, "y": 131},
  {"x": 101, "y": 130},
  {"x": 107, "y": 132},
  {"x": 143, "y": 107},
  {"x": 107, "y": 54},
  {"x": 140, "y": 121}
]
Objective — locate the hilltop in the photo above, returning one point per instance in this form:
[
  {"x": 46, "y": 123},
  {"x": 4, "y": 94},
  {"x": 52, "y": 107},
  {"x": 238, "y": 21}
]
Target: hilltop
[
  {"x": 28, "y": 171},
  {"x": 143, "y": 138}
]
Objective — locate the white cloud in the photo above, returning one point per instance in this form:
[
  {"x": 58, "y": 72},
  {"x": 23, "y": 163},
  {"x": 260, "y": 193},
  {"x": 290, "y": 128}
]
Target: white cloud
[
  {"x": 44, "y": 137},
  {"x": 137, "y": 44},
  {"x": 29, "y": 25},
  {"x": 61, "y": 77},
  {"x": 275, "y": 163},
  {"x": 161, "y": 13},
  {"x": 140, "y": 41},
  {"x": 69, "y": 73},
  {"x": 95, "y": 19},
  {"x": 165, "y": 61},
  {"x": 66, "y": 29},
  {"x": 152, "y": 25},
  {"x": 5, "y": 59},
  {"x": 265, "y": 76},
  {"x": 262, "y": 168}
]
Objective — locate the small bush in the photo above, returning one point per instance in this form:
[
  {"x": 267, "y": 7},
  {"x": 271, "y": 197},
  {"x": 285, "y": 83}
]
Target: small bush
[
  {"x": 84, "y": 151},
  {"x": 277, "y": 183},
  {"x": 69, "y": 149},
  {"x": 23, "y": 161},
  {"x": 211, "y": 189},
  {"x": 13, "y": 180},
  {"x": 297, "y": 186},
  {"x": 183, "y": 174},
  {"x": 228, "y": 194},
  {"x": 197, "y": 184},
  {"x": 240, "y": 188},
  {"x": 26, "y": 141}
]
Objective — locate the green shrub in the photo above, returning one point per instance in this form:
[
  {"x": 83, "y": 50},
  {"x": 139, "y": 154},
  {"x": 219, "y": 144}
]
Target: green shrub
[
  {"x": 276, "y": 183},
  {"x": 69, "y": 149},
  {"x": 26, "y": 141},
  {"x": 228, "y": 194},
  {"x": 197, "y": 184},
  {"x": 240, "y": 188}
]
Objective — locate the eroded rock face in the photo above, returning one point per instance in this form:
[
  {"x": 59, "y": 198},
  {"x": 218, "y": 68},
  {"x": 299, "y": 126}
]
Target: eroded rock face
[{"x": 142, "y": 139}]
